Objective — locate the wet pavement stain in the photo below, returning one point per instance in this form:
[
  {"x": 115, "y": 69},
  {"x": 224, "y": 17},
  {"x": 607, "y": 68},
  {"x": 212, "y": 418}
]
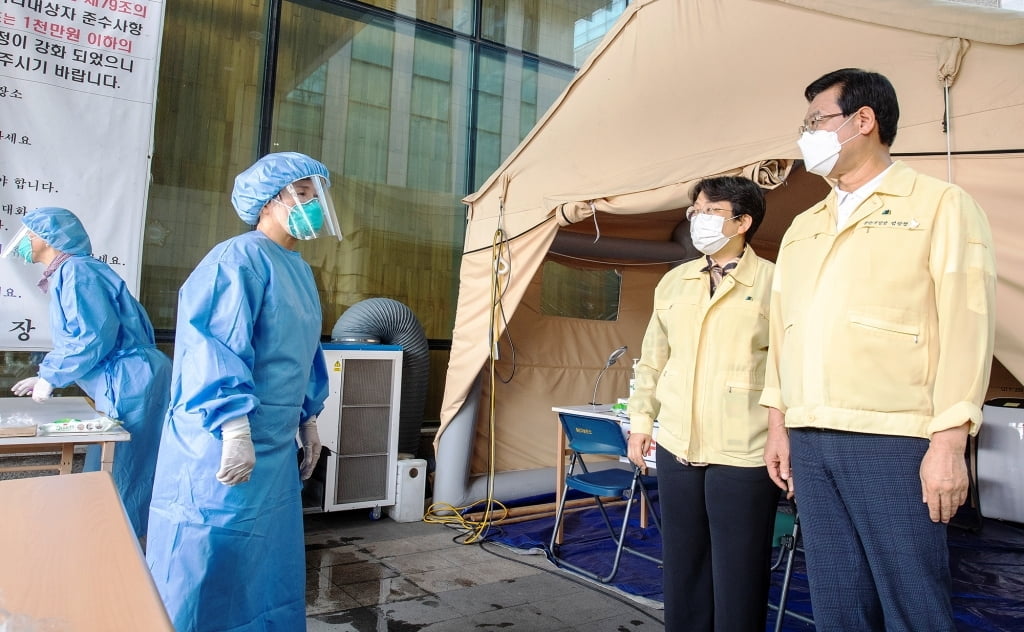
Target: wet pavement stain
[
  {"x": 369, "y": 620},
  {"x": 354, "y": 583},
  {"x": 361, "y": 571},
  {"x": 332, "y": 543}
]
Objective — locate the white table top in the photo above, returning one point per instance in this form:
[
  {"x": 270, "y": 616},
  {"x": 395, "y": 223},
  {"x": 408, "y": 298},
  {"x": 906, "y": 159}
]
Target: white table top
[
  {"x": 591, "y": 410},
  {"x": 51, "y": 410},
  {"x": 602, "y": 411},
  {"x": 70, "y": 558}
]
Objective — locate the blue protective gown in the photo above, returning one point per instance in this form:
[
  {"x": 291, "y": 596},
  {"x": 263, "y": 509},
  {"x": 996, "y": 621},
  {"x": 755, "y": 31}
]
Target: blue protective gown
[
  {"x": 103, "y": 341},
  {"x": 233, "y": 558}
]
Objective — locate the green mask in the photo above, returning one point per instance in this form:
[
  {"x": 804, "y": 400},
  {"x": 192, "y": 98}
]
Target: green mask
[
  {"x": 24, "y": 249},
  {"x": 306, "y": 220}
]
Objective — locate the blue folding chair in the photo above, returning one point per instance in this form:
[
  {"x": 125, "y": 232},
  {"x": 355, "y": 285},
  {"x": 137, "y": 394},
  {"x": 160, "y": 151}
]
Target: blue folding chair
[
  {"x": 595, "y": 435},
  {"x": 789, "y": 544}
]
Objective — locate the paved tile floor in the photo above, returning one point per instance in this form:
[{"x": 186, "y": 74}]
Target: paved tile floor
[{"x": 368, "y": 575}]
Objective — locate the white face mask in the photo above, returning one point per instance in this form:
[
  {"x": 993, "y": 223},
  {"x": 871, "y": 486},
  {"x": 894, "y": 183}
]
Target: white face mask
[
  {"x": 821, "y": 149},
  {"x": 706, "y": 233}
]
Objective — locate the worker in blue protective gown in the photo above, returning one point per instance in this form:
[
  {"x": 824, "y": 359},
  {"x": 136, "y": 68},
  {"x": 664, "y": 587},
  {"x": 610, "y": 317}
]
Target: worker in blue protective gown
[
  {"x": 102, "y": 341},
  {"x": 226, "y": 545}
]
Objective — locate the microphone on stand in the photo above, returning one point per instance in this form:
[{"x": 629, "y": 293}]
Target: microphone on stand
[{"x": 615, "y": 355}]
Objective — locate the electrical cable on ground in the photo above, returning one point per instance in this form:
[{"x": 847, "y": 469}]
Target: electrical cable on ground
[
  {"x": 455, "y": 517},
  {"x": 444, "y": 513}
]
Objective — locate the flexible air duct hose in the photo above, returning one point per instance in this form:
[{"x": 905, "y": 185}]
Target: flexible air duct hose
[{"x": 395, "y": 324}]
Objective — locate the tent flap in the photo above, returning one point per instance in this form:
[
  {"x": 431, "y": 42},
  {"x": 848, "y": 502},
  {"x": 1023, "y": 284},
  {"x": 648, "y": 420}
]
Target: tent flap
[{"x": 767, "y": 173}]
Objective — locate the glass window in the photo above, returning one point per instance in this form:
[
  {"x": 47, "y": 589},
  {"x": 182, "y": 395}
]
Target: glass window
[
  {"x": 489, "y": 107},
  {"x": 207, "y": 120},
  {"x": 384, "y": 93},
  {"x": 590, "y": 29},
  {"x": 512, "y": 93},
  {"x": 528, "y": 110},
  {"x": 453, "y": 14},
  {"x": 431, "y": 136},
  {"x": 387, "y": 126},
  {"x": 384, "y": 102},
  {"x": 580, "y": 293},
  {"x": 564, "y": 31}
]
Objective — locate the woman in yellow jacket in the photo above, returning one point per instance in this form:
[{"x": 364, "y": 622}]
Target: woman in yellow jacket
[{"x": 700, "y": 375}]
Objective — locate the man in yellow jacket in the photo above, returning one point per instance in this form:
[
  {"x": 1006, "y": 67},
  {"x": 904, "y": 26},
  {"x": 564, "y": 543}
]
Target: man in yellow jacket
[
  {"x": 700, "y": 375},
  {"x": 882, "y": 324}
]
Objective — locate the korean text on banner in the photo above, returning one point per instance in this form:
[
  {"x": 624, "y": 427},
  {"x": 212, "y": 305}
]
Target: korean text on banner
[{"x": 77, "y": 104}]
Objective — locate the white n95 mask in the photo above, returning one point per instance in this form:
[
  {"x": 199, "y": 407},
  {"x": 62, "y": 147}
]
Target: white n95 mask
[
  {"x": 821, "y": 149},
  {"x": 706, "y": 233}
]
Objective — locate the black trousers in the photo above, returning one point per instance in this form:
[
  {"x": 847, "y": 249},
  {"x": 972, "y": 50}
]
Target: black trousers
[{"x": 717, "y": 524}]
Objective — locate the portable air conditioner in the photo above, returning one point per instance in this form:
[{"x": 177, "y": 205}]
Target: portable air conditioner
[{"x": 359, "y": 425}]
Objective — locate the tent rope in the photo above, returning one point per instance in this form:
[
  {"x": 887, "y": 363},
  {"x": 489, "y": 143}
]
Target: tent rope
[
  {"x": 949, "y": 133},
  {"x": 445, "y": 513}
]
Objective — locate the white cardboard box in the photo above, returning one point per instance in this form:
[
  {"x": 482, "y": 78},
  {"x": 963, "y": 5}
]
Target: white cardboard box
[{"x": 1001, "y": 459}]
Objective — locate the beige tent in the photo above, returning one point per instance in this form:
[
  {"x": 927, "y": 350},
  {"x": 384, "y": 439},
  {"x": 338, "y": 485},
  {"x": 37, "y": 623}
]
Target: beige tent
[{"x": 679, "y": 90}]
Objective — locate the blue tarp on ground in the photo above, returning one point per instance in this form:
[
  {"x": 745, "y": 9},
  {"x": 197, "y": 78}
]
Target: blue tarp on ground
[{"x": 987, "y": 566}]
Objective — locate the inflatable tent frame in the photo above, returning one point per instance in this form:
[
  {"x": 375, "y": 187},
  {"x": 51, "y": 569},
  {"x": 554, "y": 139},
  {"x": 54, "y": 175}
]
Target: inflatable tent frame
[{"x": 679, "y": 90}]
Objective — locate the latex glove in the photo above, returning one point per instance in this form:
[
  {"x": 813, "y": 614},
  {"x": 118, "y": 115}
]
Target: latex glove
[
  {"x": 237, "y": 454},
  {"x": 42, "y": 390},
  {"x": 309, "y": 437},
  {"x": 24, "y": 387}
]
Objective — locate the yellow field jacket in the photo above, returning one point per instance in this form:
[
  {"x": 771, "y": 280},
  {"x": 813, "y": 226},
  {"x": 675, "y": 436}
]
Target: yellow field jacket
[
  {"x": 886, "y": 326},
  {"x": 701, "y": 369}
]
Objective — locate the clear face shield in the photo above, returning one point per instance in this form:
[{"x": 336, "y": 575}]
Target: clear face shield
[
  {"x": 308, "y": 210},
  {"x": 15, "y": 246}
]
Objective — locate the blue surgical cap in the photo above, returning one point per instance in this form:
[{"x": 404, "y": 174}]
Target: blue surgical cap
[
  {"x": 258, "y": 184},
  {"x": 60, "y": 228}
]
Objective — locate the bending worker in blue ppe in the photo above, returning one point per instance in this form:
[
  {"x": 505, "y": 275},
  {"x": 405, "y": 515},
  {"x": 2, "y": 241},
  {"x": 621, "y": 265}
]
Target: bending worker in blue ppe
[
  {"x": 102, "y": 341},
  {"x": 226, "y": 545}
]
